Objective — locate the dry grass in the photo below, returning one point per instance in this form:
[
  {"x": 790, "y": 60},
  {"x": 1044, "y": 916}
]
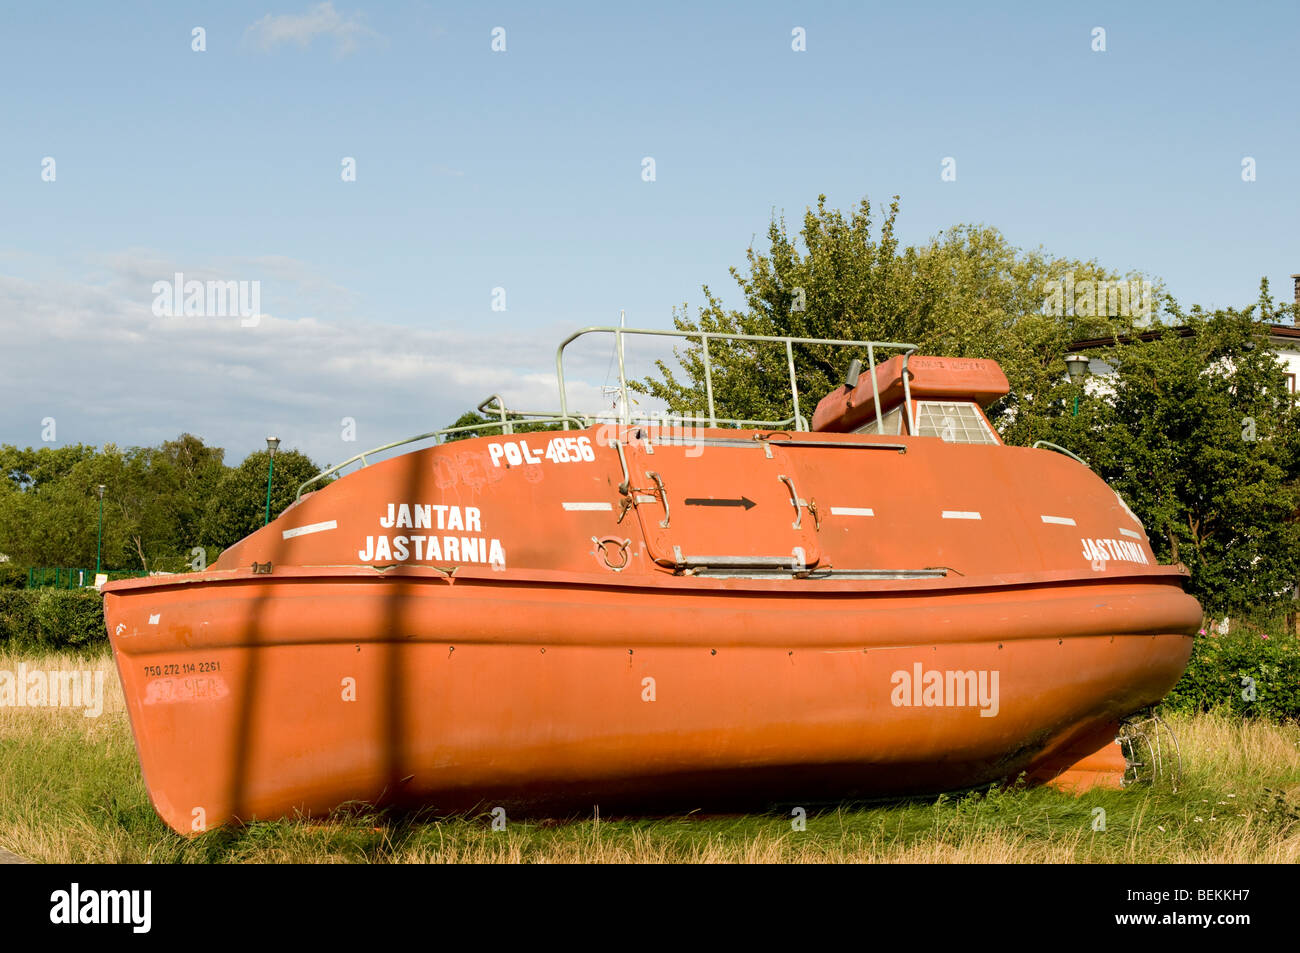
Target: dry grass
[{"x": 70, "y": 791}]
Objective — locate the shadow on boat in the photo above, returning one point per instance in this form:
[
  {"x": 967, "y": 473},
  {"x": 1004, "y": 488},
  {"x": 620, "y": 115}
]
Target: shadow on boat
[{"x": 393, "y": 731}]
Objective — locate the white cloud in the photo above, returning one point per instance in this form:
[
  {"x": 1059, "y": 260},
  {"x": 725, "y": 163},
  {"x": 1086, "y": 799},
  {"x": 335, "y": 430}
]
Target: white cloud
[
  {"x": 93, "y": 355},
  {"x": 321, "y": 20}
]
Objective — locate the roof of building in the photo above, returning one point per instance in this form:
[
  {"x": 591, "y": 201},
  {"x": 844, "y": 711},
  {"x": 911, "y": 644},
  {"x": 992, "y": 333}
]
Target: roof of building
[{"x": 1286, "y": 334}]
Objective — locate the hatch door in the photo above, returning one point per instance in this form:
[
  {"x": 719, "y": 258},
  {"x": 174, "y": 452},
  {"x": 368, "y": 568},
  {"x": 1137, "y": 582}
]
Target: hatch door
[{"x": 725, "y": 506}]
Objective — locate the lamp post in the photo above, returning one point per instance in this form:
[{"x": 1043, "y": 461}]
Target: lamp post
[
  {"x": 99, "y": 545},
  {"x": 272, "y": 444},
  {"x": 1077, "y": 367}
]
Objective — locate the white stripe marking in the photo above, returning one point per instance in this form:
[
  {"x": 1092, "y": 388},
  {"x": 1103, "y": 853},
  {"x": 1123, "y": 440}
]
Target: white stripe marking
[
  {"x": 1060, "y": 520},
  {"x": 642, "y": 498},
  {"x": 153, "y": 619},
  {"x": 1130, "y": 533},
  {"x": 852, "y": 511},
  {"x": 310, "y": 528},
  {"x": 960, "y": 515},
  {"x": 577, "y": 507}
]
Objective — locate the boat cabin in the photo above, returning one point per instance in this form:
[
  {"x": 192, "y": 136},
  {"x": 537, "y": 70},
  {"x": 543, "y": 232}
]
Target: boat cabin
[{"x": 941, "y": 397}]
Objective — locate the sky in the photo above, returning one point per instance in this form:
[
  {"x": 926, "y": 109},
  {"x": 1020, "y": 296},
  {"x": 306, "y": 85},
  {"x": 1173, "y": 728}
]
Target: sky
[{"x": 388, "y": 181}]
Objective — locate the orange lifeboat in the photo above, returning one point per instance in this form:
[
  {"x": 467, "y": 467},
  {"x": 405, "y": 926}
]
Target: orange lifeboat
[{"x": 695, "y": 612}]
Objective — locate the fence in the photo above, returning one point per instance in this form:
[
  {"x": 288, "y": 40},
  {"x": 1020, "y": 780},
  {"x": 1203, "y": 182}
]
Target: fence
[{"x": 59, "y": 577}]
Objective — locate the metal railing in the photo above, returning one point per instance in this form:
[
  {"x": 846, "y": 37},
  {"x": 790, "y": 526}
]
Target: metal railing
[
  {"x": 508, "y": 419},
  {"x": 1039, "y": 444},
  {"x": 59, "y": 577},
  {"x": 705, "y": 336},
  {"x": 62, "y": 577}
]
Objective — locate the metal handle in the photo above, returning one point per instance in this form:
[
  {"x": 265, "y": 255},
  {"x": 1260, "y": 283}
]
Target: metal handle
[
  {"x": 663, "y": 495},
  {"x": 626, "y": 486},
  {"x": 622, "y": 550},
  {"x": 794, "y": 500}
]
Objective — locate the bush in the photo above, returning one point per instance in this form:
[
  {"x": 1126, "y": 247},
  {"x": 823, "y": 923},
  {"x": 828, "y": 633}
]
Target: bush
[
  {"x": 12, "y": 577},
  {"x": 172, "y": 563},
  {"x": 1225, "y": 670},
  {"x": 51, "y": 618},
  {"x": 15, "y": 615},
  {"x": 72, "y": 618}
]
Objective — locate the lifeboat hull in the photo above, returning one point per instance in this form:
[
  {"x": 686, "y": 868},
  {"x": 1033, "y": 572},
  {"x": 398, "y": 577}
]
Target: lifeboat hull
[
  {"x": 639, "y": 619},
  {"x": 257, "y": 696}
]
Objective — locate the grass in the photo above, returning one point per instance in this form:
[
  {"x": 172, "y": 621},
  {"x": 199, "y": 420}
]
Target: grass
[{"x": 71, "y": 791}]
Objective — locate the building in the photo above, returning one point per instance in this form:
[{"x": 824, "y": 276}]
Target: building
[{"x": 1285, "y": 339}]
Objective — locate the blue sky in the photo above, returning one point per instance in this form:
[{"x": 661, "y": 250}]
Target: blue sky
[{"x": 522, "y": 170}]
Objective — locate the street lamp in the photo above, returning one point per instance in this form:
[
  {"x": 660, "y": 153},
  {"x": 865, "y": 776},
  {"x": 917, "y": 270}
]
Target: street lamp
[
  {"x": 99, "y": 545},
  {"x": 272, "y": 444},
  {"x": 1076, "y": 365}
]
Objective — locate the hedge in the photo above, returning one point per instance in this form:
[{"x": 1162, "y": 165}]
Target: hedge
[
  {"x": 51, "y": 618},
  {"x": 12, "y": 577}
]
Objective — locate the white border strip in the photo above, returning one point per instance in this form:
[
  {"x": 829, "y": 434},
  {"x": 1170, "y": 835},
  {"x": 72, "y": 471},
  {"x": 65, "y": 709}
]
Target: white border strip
[
  {"x": 961, "y": 515},
  {"x": 1129, "y": 533},
  {"x": 588, "y": 507},
  {"x": 852, "y": 511},
  {"x": 1060, "y": 520},
  {"x": 310, "y": 528}
]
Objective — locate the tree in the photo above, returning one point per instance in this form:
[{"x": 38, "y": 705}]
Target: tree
[
  {"x": 49, "y": 510},
  {"x": 470, "y": 418},
  {"x": 188, "y": 472},
  {"x": 238, "y": 503},
  {"x": 160, "y": 503},
  {"x": 33, "y": 468},
  {"x": 967, "y": 293},
  {"x": 1198, "y": 433},
  {"x": 160, "y": 493}
]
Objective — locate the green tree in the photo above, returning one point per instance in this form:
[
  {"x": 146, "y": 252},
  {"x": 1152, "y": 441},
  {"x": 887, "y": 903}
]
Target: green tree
[
  {"x": 49, "y": 510},
  {"x": 966, "y": 293},
  {"x": 33, "y": 468},
  {"x": 237, "y": 506},
  {"x": 188, "y": 472},
  {"x": 161, "y": 494},
  {"x": 1199, "y": 434},
  {"x": 470, "y": 418}
]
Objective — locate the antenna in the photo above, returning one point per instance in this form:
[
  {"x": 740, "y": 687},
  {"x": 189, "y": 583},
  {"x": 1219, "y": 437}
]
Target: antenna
[{"x": 618, "y": 400}]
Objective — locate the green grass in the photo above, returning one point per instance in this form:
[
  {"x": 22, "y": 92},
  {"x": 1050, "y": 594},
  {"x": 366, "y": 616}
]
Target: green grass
[{"x": 71, "y": 791}]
